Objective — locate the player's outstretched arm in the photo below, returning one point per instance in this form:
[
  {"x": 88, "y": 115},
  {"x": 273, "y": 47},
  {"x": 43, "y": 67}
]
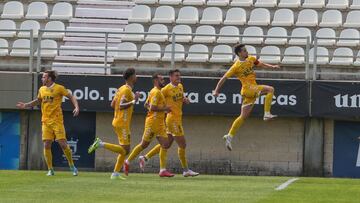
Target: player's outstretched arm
[
  {"x": 266, "y": 65},
  {"x": 22, "y": 105},
  {"x": 75, "y": 104},
  {"x": 219, "y": 86}
]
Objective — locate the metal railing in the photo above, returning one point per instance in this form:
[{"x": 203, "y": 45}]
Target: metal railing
[
  {"x": 31, "y": 49},
  {"x": 316, "y": 55},
  {"x": 307, "y": 72},
  {"x": 172, "y": 40}
]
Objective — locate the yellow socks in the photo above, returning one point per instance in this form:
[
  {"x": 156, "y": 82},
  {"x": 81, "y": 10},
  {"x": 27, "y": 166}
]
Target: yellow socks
[
  {"x": 268, "y": 101},
  {"x": 48, "y": 158},
  {"x": 119, "y": 162},
  {"x": 182, "y": 158},
  {"x": 67, "y": 152},
  {"x": 163, "y": 158},
  {"x": 135, "y": 152},
  {"x": 236, "y": 125},
  {"x": 114, "y": 148},
  {"x": 155, "y": 150}
]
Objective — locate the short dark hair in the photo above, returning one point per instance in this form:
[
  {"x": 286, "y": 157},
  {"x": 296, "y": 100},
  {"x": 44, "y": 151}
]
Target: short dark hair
[
  {"x": 171, "y": 72},
  {"x": 155, "y": 76},
  {"x": 128, "y": 73},
  {"x": 238, "y": 48},
  {"x": 52, "y": 74}
]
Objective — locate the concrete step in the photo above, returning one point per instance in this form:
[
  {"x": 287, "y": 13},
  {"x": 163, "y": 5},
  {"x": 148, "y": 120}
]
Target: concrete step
[
  {"x": 91, "y": 40},
  {"x": 105, "y": 3},
  {"x": 86, "y": 51},
  {"x": 83, "y": 68},
  {"x": 76, "y": 32},
  {"x": 102, "y": 13},
  {"x": 98, "y": 21},
  {"x": 84, "y": 59}
]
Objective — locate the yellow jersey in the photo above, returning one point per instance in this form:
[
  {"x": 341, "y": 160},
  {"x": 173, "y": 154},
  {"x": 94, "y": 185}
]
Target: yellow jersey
[
  {"x": 51, "y": 100},
  {"x": 122, "y": 117},
  {"x": 174, "y": 96},
  {"x": 156, "y": 98},
  {"x": 244, "y": 71}
]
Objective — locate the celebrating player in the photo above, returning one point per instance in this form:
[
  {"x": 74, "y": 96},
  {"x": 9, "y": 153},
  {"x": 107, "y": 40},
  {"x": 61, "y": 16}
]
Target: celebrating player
[
  {"x": 154, "y": 126},
  {"x": 123, "y": 105},
  {"x": 50, "y": 98},
  {"x": 174, "y": 97},
  {"x": 243, "y": 70}
]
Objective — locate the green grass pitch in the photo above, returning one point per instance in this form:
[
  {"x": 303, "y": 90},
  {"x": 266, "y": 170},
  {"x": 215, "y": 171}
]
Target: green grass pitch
[{"x": 34, "y": 186}]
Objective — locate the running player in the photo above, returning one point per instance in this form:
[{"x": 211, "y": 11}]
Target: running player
[
  {"x": 174, "y": 97},
  {"x": 50, "y": 98},
  {"x": 154, "y": 126},
  {"x": 243, "y": 70},
  {"x": 123, "y": 105}
]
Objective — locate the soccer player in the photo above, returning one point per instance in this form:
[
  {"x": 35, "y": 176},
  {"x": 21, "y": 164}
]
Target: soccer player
[
  {"x": 154, "y": 126},
  {"x": 174, "y": 97},
  {"x": 123, "y": 105},
  {"x": 243, "y": 70},
  {"x": 50, "y": 98}
]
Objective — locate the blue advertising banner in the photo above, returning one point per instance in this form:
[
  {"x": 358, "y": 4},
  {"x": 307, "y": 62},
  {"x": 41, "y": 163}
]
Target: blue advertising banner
[
  {"x": 346, "y": 149},
  {"x": 9, "y": 140},
  {"x": 80, "y": 133}
]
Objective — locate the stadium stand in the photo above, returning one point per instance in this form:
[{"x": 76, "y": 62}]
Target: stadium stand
[
  {"x": 222, "y": 54},
  {"x": 4, "y": 50},
  {"x": 19, "y": 17},
  {"x": 276, "y": 32},
  {"x": 78, "y": 28},
  {"x": 228, "y": 30},
  {"x": 164, "y": 14},
  {"x": 270, "y": 54},
  {"x": 326, "y": 33},
  {"x": 37, "y": 10},
  {"x": 179, "y": 56},
  {"x": 283, "y": 17},
  {"x": 235, "y": 16},
  {"x": 322, "y": 56}
]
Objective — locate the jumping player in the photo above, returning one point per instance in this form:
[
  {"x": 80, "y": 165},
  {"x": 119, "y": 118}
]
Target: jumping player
[{"x": 243, "y": 70}]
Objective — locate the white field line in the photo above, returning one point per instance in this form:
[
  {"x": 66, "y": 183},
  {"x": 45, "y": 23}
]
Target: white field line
[{"x": 286, "y": 184}]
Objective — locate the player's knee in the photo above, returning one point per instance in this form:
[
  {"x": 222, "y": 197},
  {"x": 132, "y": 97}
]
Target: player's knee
[
  {"x": 165, "y": 144},
  {"x": 244, "y": 115},
  {"x": 144, "y": 144},
  {"x": 171, "y": 141},
  {"x": 183, "y": 145},
  {"x": 127, "y": 151},
  {"x": 47, "y": 144},
  {"x": 63, "y": 145}
]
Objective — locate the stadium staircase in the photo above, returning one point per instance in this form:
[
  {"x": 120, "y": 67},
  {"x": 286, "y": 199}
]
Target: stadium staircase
[{"x": 92, "y": 16}]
